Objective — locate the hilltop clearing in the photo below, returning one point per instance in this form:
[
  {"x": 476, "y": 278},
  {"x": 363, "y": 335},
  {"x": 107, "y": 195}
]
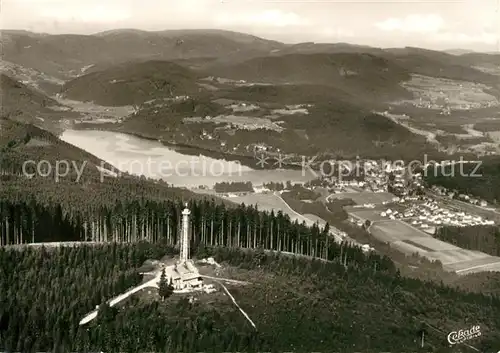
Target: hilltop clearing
[{"x": 296, "y": 304}]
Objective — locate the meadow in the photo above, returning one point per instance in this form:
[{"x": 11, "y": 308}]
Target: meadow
[
  {"x": 410, "y": 240},
  {"x": 364, "y": 197}
]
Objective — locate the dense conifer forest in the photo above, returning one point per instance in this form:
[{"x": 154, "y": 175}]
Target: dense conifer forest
[
  {"x": 482, "y": 238},
  {"x": 212, "y": 224},
  {"x": 342, "y": 300},
  {"x": 297, "y": 304},
  {"x": 479, "y": 180}
]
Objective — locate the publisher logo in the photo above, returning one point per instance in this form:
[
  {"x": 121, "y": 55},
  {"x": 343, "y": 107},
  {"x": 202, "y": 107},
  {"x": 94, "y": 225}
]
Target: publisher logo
[{"x": 460, "y": 336}]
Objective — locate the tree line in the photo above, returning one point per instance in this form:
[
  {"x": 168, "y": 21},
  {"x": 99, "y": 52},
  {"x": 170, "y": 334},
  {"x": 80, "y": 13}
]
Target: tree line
[
  {"x": 482, "y": 238},
  {"x": 212, "y": 224},
  {"x": 297, "y": 304},
  {"x": 233, "y": 187},
  {"x": 480, "y": 180}
]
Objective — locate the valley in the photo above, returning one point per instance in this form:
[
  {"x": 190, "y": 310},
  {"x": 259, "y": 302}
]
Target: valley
[{"x": 296, "y": 164}]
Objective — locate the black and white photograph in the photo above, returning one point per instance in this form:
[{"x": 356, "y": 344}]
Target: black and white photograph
[{"x": 250, "y": 176}]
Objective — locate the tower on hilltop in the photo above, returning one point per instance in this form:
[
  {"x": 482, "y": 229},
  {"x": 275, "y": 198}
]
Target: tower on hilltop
[{"x": 184, "y": 254}]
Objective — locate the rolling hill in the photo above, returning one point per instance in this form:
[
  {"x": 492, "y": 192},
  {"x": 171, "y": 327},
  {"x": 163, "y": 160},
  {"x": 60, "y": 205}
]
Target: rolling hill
[
  {"x": 67, "y": 55},
  {"x": 15, "y": 94},
  {"x": 32, "y": 78},
  {"x": 313, "y": 78},
  {"x": 133, "y": 83},
  {"x": 358, "y": 74},
  {"x": 480, "y": 58},
  {"x": 30, "y": 105},
  {"x": 326, "y": 48},
  {"x": 296, "y": 304},
  {"x": 21, "y": 142},
  {"x": 22, "y": 102},
  {"x": 333, "y": 125},
  {"x": 344, "y": 82},
  {"x": 440, "y": 64},
  {"x": 356, "y": 77},
  {"x": 64, "y": 56},
  {"x": 373, "y": 68},
  {"x": 350, "y": 86}
]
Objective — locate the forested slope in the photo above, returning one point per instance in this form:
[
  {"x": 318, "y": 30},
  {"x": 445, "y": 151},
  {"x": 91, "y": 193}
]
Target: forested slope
[
  {"x": 133, "y": 83},
  {"x": 297, "y": 305},
  {"x": 35, "y": 199},
  {"x": 480, "y": 180},
  {"x": 481, "y": 238}
]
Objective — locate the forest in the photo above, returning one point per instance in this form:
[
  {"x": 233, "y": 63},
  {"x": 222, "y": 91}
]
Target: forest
[
  {"x": 342, "y": 300},
  {"x": 213, "y": 224},
  {"x": 277, "y": 186},
  {"x": 233, "y": 187},
  {"x": 481, "y": 238},
  {"x": 480, "y": 180},
  {"x": 297, "y": 304}
]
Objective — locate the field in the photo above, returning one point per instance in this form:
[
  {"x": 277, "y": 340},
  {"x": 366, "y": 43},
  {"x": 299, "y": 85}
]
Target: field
[
  {"x": 391, "y": 231},
  {"x": 490, "y": 263},
  {"x": 315, "y": 218},
  {"x": 238, "y": 121},
  {"x": 433, "y": 244},
  {"x": 265, "y": 202},
  {"x": 270, "y": 202},
  {"x": 443, "y": 92},
  {"x": 494, "y": 136},
  {"x": 410, "y": 240},
  {"x": 365, "y": 214},
  {"x": 364, "y": 197}
]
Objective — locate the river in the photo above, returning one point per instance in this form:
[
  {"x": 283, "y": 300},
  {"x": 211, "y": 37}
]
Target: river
[{"x": 154, "y": 160}]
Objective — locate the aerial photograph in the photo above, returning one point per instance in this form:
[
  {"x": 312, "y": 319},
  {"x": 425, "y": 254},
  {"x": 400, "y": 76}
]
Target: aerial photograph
[{"x": 250, "y": 176}]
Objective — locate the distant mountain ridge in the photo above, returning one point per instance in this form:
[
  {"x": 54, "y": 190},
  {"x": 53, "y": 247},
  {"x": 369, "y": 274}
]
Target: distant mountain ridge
[
  {"x": 458, "y": 51},
  {"x": 64, "y": 55},
  {"x": 359, "y": 74},
  {"x": 60, "y": 55}
]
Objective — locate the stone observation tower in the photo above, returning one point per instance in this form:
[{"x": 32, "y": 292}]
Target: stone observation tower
[
  {"x": 183, "y": 275},
  {"x": 184, "y": 253}
]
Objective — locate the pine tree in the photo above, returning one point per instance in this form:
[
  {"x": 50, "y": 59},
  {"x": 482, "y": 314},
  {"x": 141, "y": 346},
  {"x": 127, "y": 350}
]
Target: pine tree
[
  {"x": 165, "y": 287},
  {"x": 326, "y": 229}
]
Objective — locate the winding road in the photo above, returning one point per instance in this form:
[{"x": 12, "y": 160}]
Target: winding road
[
  {"x": 336, "y": 233},
  {"x": 153, "y": 283}
]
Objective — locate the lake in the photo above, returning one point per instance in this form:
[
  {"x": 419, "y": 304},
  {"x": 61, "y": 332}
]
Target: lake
[{"x": 154, "y": 160}]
